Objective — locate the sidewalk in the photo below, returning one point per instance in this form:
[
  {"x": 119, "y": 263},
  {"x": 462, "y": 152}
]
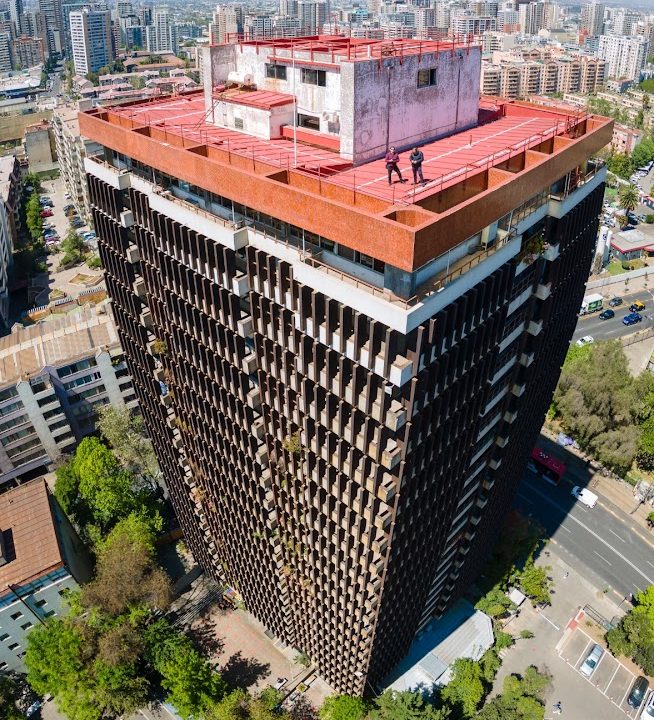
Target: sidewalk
[{"x": 617, "y": 496}]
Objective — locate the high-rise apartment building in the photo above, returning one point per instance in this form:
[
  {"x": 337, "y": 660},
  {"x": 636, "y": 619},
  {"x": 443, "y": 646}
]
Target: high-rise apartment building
[
  {"x": 359, "y": 369},
  {"x": 27, "y": 51},
  {"x": 313, "y": 15},
  {"x": 625, "y": 56},
  {"x": 228, "y": 23},
  {"x": 91, "y": 39},
  {"x": 54, "y": 28},
  {"x": 161, "y": 35},
  {"x": 5, "y": 52},
  {"x": 72, "y": 148},
  {"x": 592, "y": 18}
]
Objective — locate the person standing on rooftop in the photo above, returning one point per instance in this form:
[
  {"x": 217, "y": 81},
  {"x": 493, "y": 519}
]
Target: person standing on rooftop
[
  {"x": 392, "y": 159},
  {"x": 417, "y": 158}
]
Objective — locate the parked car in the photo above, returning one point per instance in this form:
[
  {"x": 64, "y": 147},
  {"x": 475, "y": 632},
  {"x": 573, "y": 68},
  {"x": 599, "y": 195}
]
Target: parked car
[
  {"x": 637, "y": 307},
  {"x": 77, "y": 223},
  {"x": 68, "y": 207},
  {"x": 648, "y": 710},
  {"x": 615, "y": 301},
  {"x": 586, "y": 340},
  {"x": 592, "y": 659},
  {"x": 638, "y": 691},
  {"x": 606, "y": 315},
  {"x": 632, "y": 319},
  {"x": 46, "y": 213}
]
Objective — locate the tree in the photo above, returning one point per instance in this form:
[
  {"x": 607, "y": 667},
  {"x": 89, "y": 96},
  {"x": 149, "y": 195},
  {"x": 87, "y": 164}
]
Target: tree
[
  {"x": 393, "y": 705},
  {"x": 598, "y": 403},
  {"x": 127, "y": 577},
  {"x": 466, "y": 690},
  {"x": 191, "y": 684},
  {"x": 9, "y": 695},
  {"x": 628, "y": 197},
  {"x": 126, "y": 435},
  {"x": 33, "y": 216},
  {"x": 521, "y": 698},
  {"x": 495, "y": 603},
  {"x": 621, "y": 165},
  {"x": 534, "y": 583},
  {"x": 302, "y": 709},
  {"x": 634, "y": 635},
  {"x": 61, "y": 659},
  {"x": 343, "y": 707}
]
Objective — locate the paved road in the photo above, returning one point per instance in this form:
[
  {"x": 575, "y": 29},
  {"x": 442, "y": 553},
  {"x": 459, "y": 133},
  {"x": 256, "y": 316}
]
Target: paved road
[
  {"x": 614, "y": 328},
  {"x": 602, "y": 543}
]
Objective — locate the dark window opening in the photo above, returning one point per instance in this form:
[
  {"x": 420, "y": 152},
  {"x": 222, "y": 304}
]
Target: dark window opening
[
  {"x": 308, "y": 121},
  {"x": 314, "y": 77},
  {"x": 427, "y": 77}
]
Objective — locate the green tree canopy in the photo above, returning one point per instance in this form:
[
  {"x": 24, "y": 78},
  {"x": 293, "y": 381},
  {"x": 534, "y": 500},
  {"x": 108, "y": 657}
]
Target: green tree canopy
[
  {"x": 393, "y": 705},
  {"x": 466, "y": 689},
  {"x": 628, "y": 197},
  {"x": 126, "y": 435},
  {"x": 599, "y": 404},
  {"x": 33, "y": 216},
  {"x": 634, "y": 636},
  {"x": 9, "y": 695},
  {"x": 534, "y": 582},
  {"x": 521, "y": 698},
  {"x": 343, "y": 707},
  {"x": 192, "y": 686}
]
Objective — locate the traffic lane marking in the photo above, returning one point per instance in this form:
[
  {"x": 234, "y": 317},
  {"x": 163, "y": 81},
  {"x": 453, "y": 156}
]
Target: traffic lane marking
[
  {"x": 568, "y": 514},
  {"x": 616, "y": 534},
  {"x": 602, "y": 558}
]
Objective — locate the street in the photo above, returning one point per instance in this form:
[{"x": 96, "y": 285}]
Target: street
[
  {"x": 601, "y": 539},
  {"x": 614, "y": 328}
]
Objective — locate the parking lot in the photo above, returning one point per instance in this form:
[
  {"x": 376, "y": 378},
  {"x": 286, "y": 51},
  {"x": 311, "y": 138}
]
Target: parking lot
[{"x": 610, "y": 677}]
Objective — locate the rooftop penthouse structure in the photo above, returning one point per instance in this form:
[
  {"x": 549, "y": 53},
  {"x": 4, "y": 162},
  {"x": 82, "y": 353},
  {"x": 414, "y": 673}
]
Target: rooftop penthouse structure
[{"x": 359, "y": 370}]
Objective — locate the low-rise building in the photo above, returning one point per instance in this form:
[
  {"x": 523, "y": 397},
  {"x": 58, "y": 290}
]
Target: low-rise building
[
  {"x": 625, "y": 138},
  {"x": 53, "y": 378},
  {"x": 72, "y": 148},
  {"x": 41, "y": 558}
]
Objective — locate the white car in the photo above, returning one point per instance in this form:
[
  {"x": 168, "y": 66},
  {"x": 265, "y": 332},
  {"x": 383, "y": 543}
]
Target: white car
[
  {"x": 586, "y": 340},
  {"x": 585, "y": 496},
  {"x": 648, "y": 709},
  {"x": 592, "y": 659}
]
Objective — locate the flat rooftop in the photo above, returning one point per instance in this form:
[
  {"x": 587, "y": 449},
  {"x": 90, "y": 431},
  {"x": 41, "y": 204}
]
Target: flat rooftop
[
  {"x": 28, "y": 350},
  {"x": 473, "y": 177},
  {"x": 447, "y": 161},
  {"x": 28, "y": 530}
]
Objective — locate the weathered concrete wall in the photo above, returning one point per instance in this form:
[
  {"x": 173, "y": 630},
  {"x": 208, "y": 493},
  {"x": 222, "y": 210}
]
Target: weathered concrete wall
[
  {"x": 382, "y": 104},
  {"x": 12, "y": 127},
  {"x": 266, "y": 124}
]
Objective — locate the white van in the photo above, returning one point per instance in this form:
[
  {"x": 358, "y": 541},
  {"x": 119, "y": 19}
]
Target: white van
[{"x": 587, "y": 497}]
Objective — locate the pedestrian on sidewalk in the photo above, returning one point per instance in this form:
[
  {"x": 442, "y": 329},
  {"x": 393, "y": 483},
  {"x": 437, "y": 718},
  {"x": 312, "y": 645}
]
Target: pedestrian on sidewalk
[
  {"x": 417, "y": 158},
  {"x": 557, "y": 709},
  {"x": 392, "y": 159}
]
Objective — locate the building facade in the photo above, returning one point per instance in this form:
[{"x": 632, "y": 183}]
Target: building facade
[
  {"x": 359, "y": 369},
  {"x": 72, "y": 148},
  {"x": 10, "y": 204},
  {"x": 91, "y": 39},
  {"x": 27, "y": 52},
  {"x": 41, "y": 558},
  {"x": 519, "y": 78},
  {"x": 625, "y": 56},
  {"x": 53, "y": 377},
  {"x": 592, "y": 18}
]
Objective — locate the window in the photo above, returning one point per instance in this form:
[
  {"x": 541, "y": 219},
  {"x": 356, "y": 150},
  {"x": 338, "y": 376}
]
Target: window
[
  {"x": 50, "y": 614},
  {"x": 308, "y": 121},
  {"x": 13, "y": 646},
  {"x": 3, "y": 665},
  {"x": 238, "y": 123},
  {"x": 8, "y": 394},
  {"x": 26, "y": 626},
  {"x": 76, "y": 367},
  {"x": 426, "y": 77},
  {"x": 16, "y": 615},
  {"x": 314, "y": 77},
  {"x": 3, "y": 637},
  {"x": 277, "y": 72}
]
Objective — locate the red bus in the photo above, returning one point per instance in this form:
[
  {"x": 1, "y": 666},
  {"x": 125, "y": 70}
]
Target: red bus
[{"x": 549, "y": 468}]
